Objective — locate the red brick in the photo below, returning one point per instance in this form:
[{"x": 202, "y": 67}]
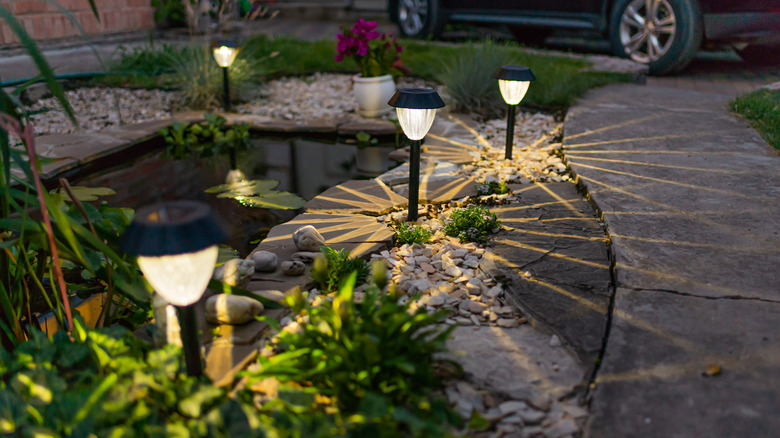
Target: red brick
[{"x": 32, "y": 7}]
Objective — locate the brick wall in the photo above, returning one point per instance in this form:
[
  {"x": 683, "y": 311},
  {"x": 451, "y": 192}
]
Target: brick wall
[{"x": 44, "y": 21}]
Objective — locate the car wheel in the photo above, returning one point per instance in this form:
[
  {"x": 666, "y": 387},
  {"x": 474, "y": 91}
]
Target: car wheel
[
  {"x": 418, "y": 18},
  {"x": 664, "y": 34},
  {"x": 760, "y": 54}
]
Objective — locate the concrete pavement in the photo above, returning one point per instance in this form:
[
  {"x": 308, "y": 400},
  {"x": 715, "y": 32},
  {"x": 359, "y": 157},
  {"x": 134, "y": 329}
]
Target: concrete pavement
[{"x": 690, "y": 197}]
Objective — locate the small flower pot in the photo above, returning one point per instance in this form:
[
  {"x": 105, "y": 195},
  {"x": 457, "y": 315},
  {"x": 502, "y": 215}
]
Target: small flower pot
[{"x": 372, "y": 94}]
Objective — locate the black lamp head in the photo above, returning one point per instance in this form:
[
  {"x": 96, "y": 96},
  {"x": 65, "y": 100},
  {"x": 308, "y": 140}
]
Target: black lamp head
[
  {"x": 514, "y": 73},
  {"x": 169, "y": 228},
  {"x": 416, "y": 98}
]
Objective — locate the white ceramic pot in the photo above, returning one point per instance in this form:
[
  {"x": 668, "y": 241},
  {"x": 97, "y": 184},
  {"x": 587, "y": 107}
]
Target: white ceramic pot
[{"x": 372, "y": 94}]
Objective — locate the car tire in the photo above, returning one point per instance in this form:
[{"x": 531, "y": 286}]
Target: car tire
[
  {"x": 417, "y": 18},
  {"x": 762, "y": 55},
  {"x": 666, "y": 43}
]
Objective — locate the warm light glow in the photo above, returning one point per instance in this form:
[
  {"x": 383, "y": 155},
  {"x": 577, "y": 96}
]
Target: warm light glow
[
  {"x": 225, "y": 55},
  {"x": 415, "y": 122},
  {"x": 180, "y": 279},
  {"x": 513, "y": 91}
]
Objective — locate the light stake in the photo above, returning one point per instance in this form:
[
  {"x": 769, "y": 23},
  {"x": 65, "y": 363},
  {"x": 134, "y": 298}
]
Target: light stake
[
  {"x": 513, "y": 81},
  {"x": 416, "y": 109},
  {"x": 176, "y": 245},
  {"x": 225, "y": 52}
]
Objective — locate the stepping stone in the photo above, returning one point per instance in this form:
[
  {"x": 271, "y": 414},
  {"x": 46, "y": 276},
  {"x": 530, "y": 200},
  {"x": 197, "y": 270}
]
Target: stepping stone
[
  {"x": 440, "y": 190},
  {"x": 75, "y": 149},
  {"x": 553, "y": 235},
  {"x": 369, "y": 197}
]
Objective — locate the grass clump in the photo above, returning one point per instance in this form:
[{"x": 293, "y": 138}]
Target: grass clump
[
  {"x": 471, "y": 224},
  {"x": 374, "y": 361},
  {"x": 407, "y": 234},
  {"x": 762, "y": 109},
  {"x": 333, "y": 267},
  {"x": 491, "y": 188}
]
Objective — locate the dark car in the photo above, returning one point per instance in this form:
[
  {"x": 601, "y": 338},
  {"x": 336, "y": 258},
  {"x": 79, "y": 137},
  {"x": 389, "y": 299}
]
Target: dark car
[{"x": 665, "y": 34}]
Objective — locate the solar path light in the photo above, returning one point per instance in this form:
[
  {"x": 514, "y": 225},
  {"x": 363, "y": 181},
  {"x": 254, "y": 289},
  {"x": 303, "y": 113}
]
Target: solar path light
[
  {"x": 513, "y": 81},
  {"x": 416, "y": 109},
  {"x": 176, "y": 244},
  {"x": 225, "y": 52}
]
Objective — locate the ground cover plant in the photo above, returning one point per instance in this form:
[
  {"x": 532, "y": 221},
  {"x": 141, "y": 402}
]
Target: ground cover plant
[
  {"x": 491, "y": 188},
  {"x": 471, "y": 224},
  {"x": 408, "y": 234},
  {"x": 762, "y": 109}
]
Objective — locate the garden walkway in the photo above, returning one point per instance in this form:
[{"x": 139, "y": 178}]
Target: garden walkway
[{"x": 691, "y": 199}]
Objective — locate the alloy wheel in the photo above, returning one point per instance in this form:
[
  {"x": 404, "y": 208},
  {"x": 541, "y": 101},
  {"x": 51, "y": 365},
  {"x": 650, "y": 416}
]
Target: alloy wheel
[
  {"x": 412, "y": 16},
  {"x": 647, "y": 29}
]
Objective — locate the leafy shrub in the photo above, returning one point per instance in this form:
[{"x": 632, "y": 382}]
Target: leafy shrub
[
  {"x": 108, "y": 383},
  {"x": 335, "y": 266},
  {"x": 373, "y": 360},
  {"x": 471, "y": 224},
  {"x": 469, "y": 78},
  {"x": 411, "y": 234},
  {"x": 170, "y": 12},
  {"x": 491, "y": 188}
]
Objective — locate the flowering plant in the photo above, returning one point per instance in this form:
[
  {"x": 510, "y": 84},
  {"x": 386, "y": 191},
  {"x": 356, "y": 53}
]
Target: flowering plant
[{"x": 375, "y": 54}]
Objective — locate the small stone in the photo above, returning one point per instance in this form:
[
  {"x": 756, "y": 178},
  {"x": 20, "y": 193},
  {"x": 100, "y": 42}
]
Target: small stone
[
  {"x": 507, "y": 323},
  {"x": 512, "y": 419},
  {"x": 464, "y": 305},
  {"x": 307, "y": 238},
  {"x": 463, "y": 321},
  {"x": 475, "y": 320},
  {"x": 427, "y": 267},
  {"x": 265, "y": 261},
  {"x": 232, "y": 309},
  {"x": 576, "y": 412},
  {"x": 476, "y": 307},
  {"x": 293, "y": 268},
  {"x": 512, "y": 406},
  {"x": 562, "y": 428},
  {"x": 531, "y": 416},
  {"x": 555, "y": 341},
  {"x": 494, "y": 292},
  {"x": 473, "y": 289},
  {"x": 236, "y": 272},
  {"x": 437, "y": 300},
  {"x": 305, "y": 256},
  {"x": 453, "y": 271}
]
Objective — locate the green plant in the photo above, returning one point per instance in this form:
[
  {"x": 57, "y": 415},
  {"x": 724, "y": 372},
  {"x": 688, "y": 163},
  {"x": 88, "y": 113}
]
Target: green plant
[
  {"x": 491, "y": 188},
  {"x": 108, "y": 383},
  {"x": 206, "y": 138},
  {"x": 373, "y": 360},
  {"x": 200, "y": 79},
  {"x": 259, "y": 194},
  {"x": 471, "y": 224},
  {"x": 762, "y": 109},
  {"x": 407, "y": 234},
  {"x": 469, "y": 78},
  {"x": 170, "y": 12},
  {"x": 336, "y": 266}
]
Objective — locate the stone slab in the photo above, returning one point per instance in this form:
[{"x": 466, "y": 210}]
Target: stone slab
[
  {"x": 139, "y": 131},
  {"x": 72, "y": 150},
  {"x": 516, "y": 362},
  {"x": 554, "y": 255},
  {"x": 689, "y": 192},
  {"x": 368, "y": 197},
  {"x": 654, "y": 381}
]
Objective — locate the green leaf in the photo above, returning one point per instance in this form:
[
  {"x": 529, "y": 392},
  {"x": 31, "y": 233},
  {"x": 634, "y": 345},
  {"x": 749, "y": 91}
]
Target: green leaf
[
  {"x": 243, "y": 188},
  {"x": 273, "y": 200},
  {"x": 86, "y": 194}
]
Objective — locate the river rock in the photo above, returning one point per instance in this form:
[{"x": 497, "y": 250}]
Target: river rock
[
  {"x": 305, "y": 256},
  {"x": 293, "y": 267},
  {"x": 232, "y": 309},
  {"x": 236, "y": 272},
  {"x": 265, "y": 261},
  {"x": 307, "y": 238}
]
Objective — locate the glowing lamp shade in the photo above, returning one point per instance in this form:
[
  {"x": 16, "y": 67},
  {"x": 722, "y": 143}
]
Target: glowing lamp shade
[
  {"x": 416, "y": 109},
  {"x": 176, "y": 244},
  {"x": 513, "y": 81},
  {"x": 225, "y": 52}
]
